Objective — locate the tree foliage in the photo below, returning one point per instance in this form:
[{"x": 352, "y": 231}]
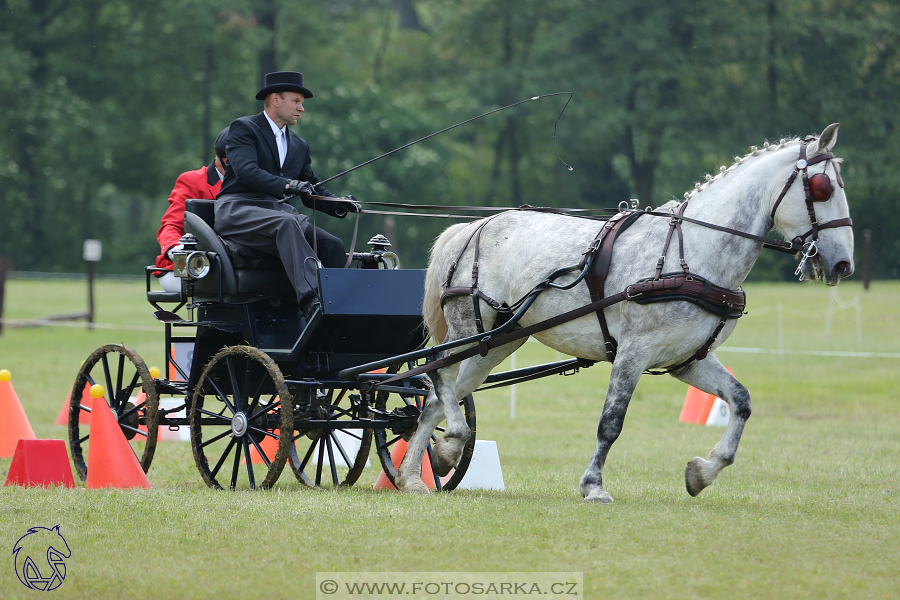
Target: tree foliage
[{"x": 105, "y": 102}]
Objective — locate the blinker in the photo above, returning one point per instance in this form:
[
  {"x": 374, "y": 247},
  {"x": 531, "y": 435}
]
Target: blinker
[{"x": 820, "y": 187}]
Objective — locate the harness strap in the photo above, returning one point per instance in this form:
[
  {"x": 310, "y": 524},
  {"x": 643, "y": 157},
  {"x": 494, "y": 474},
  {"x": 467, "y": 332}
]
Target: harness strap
[
  {"x": 674, "y": 224},
  {"x": 599, "y": 255}
]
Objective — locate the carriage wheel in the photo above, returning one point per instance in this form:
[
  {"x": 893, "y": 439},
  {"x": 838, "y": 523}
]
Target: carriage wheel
[
  {"x": 329, "y": 458},
  {"x": 241, "y": 420},
  {"x": 385, "y": 439},
  {"x": 130, "y": 394}
]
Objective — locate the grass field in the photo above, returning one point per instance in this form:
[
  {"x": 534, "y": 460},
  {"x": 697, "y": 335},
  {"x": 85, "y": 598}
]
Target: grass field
[{"x": 810, "y": 509}]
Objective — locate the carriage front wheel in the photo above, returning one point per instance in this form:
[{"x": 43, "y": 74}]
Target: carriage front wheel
[
  {"x": 129, "y": 392},
  {"x": 241, "y": 420}
]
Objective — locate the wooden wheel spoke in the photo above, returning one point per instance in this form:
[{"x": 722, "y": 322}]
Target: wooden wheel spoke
[
  {"x": 216, "y": 438},
  {"x": 120, "y": 372},
  {"x": 224, "y": 456},
  {"x": 130, "y": 389},
  {"x": 249, "y": 462},
  {"x": 221, "y": 396},
  {"x": 330, "y": 448},
  {"x": 214, "y": 415},
  {"x": 308, "y": 454},
  {"x": 340, "y": 448},
  {"x": 84, "y": 439},
  {"x": 437, "y": 480},
  {"x": 110, "y": 396},
  {"x": 265, "y": 432},
  {"x": 238, "y": 401},
  {"x": 261, "y": 451},
  {"x": 351, "y": 434},
  {"x": 134, "y": 429},
  {"x": 265, "y": 409},
  {"x": 130, "y": 411},
  {"x": 237, "y": 464},
  {"x": 321, "y": 460}
]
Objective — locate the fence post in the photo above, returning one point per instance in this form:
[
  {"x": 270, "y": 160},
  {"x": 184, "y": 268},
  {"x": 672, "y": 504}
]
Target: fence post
[{"x": 5, "y": 263}]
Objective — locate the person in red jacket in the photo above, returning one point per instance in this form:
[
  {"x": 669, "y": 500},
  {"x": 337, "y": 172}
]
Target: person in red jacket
[{"x": 202, "y": 184}]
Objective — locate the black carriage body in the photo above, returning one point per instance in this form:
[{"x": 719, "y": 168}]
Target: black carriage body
[
  {"x": 252, "y": 354},
  {"x": 366, "y": 315}
]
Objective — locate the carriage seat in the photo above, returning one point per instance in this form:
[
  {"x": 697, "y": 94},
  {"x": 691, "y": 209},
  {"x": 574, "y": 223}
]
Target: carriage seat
[{"x": 247, "y": 274}]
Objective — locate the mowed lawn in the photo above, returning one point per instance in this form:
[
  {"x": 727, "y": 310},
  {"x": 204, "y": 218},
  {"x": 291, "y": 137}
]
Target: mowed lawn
[{"x": 810, "y": 509}]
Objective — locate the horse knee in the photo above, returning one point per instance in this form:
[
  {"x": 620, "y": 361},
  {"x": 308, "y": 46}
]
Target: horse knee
[{"x": 740, "y": 402}]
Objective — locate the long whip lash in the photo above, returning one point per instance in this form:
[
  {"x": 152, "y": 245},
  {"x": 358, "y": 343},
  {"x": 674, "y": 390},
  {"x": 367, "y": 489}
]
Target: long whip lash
[{"x": 463, "y": 123}]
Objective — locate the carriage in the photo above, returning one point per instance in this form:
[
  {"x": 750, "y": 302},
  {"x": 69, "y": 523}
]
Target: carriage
[
  {"x": 266, "y": 386},
  {"x": 256, "y": 383}
]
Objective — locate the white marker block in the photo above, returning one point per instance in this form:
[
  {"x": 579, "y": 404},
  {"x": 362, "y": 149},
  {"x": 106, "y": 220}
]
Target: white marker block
[
  {"x": 718, "y": 414},
  {"x": 484, "y": 472}
]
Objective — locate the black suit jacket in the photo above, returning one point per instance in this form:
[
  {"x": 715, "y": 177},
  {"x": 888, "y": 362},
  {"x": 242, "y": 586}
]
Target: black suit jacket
[{"x": 253, "y": 168}]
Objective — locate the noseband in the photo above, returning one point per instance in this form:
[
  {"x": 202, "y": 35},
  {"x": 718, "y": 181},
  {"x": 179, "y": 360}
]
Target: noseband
[{"x": 814, "y": 193}]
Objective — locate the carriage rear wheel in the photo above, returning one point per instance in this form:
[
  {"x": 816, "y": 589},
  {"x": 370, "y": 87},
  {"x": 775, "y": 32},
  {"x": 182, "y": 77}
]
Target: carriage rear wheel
[
  {"x": 130, "y": 394},
  {"x": 241, "y": 420},
  {"x": 386, "y": 440},
  {"x": 329, "y": 457}
]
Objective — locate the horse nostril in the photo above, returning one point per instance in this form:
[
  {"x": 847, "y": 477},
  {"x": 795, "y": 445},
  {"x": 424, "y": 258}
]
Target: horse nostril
[{"x": 842, "y": 268}]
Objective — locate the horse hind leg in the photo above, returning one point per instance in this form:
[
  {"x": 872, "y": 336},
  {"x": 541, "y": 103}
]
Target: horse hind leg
[
  {"x": 625, "y": 374},
  {"x": 711, "y": 377}
]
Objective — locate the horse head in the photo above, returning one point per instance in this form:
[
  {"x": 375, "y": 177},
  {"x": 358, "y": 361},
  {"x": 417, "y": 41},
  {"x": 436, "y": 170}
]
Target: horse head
[{"x": 816, "y": 211}]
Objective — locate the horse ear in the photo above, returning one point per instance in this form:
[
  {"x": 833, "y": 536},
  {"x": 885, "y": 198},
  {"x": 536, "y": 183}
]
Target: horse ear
[{"x": 826, "y": 140}]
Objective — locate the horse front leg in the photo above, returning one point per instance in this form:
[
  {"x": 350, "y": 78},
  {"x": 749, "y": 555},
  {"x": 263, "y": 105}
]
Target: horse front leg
[
  {"x": 450, "y": 384},
  {"x": 440, "y": 403},
  {"x": 710, "y": 376},
  {"x": 625, "y": 374}
]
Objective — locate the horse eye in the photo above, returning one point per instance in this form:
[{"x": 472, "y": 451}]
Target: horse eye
[{"x": 820, "y": 186}]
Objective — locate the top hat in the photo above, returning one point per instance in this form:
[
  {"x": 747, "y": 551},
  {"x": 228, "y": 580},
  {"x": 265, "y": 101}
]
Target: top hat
[
  {"x": 221, "y": 140},
  {"x": 283, "y": 81}
]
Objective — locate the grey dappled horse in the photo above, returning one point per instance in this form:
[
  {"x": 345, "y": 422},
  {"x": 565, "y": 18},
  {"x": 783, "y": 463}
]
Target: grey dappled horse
[{"x": 519, "y": 249}]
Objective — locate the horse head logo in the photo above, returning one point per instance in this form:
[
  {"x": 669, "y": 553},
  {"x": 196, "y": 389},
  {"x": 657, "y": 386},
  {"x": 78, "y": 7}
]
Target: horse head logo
[{"x": 40, "y": 558}]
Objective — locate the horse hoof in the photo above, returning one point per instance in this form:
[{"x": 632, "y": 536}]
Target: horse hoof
[
  {"x": 447, "y": 452},
  {"x": 601, "y": 496},
  {"x": 695, "y": 478},
  {"x": 413, "y": 487}
]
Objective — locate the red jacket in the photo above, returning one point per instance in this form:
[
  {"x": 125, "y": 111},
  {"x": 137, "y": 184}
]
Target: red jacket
[{"x": 202, "y": 184}]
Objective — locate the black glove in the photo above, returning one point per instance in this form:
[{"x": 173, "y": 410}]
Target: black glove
[
  {"x": 351, "y": 208},
  {"x": 298, "y": 188}
]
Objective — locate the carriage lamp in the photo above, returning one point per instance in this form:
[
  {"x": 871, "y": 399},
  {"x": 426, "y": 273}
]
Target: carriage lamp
[
  {"x": 385, "y": 258},
  {"x": 190, "y": 263}
]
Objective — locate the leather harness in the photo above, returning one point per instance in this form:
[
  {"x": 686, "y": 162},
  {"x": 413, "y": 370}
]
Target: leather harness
[{"x": 684, "y": 286}]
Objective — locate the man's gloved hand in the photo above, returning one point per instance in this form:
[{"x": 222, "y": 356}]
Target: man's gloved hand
[
  {"x": 355, "y": 207},
  {"x": 299, "y": 188},
  {"x": 173, "y": 250}
]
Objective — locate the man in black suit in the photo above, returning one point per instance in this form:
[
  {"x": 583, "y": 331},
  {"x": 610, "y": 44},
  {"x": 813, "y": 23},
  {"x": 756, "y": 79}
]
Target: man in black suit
[{"x": 266, "y": 162}]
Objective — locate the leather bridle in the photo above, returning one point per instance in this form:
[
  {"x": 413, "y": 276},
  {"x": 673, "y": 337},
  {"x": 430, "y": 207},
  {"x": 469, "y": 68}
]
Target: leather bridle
[{"x": 814, "y": 193}]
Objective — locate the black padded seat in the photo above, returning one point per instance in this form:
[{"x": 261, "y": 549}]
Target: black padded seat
[{"x": 247, "y": 274}]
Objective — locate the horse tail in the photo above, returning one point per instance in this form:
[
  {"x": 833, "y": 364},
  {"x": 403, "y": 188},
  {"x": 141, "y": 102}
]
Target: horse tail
[{"x": 432, "y": 314}]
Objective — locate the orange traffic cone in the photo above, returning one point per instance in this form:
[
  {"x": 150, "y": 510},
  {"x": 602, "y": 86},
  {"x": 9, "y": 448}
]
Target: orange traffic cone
[
  {"x": 14, "y": 425},
  {"x": 40, "y": 463},
  {"x": 84, "y": 419},
  {"x": 111, "y": 462},
  {"x": 697, "y": 405},
  {"x": 397, "y": 454}
]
